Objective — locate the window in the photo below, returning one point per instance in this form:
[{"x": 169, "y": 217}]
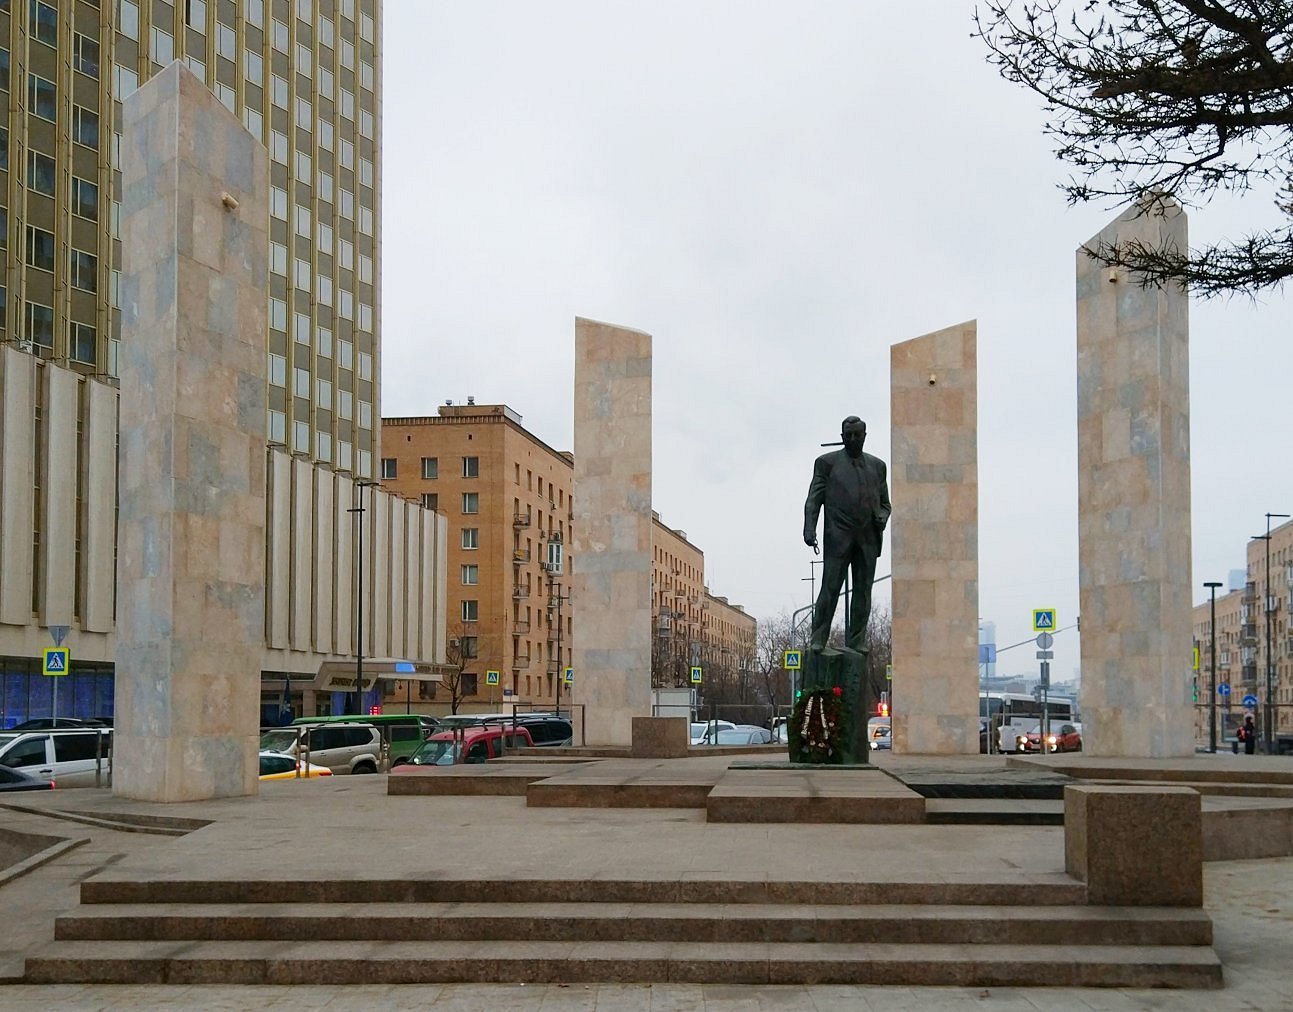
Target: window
[
  {"x": 471, "y": 467},
  {"x": 470, "y": 575},
  {"x": 470, "y": 647},
  {"x": 85, "y": 198},
  {"x": 388, "y": 467},
  {"x": 4, "y": 69},
  {"x": 430, "y": 467},
  {"x": 85, "y": 55},
  {"x": 85, "y": 271},
  {"x": 163, "y": 49},
  {"x": 479, "y": 752},
  {"x": 40, "y": 173},
  {"x": 226, "y": 41},
  {"x": 195, "y": 14},
  {"x": 470, "y": 501},
  {"x": 42, "y": 97},
  {"x": 40, "y": 248},
  {"x": 471, "y": 537},
  {"x": 44, "y": 21},
  {"x": 85, "y": 126},
  {"x": 4, "y": 148},
  {"x": 278, "y": 370},
  {"x": 430, "y": 501},
  {"x": 470, "y": 611},
  {"x": 82, "y": 342},
  {"x": 125, "y": 82},
  {"x": 40, "y": 325}
]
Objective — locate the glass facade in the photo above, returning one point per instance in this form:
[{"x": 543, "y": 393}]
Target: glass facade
[
  {"x": 302, "y": 75},
  {"x": 25, "y": 693}
]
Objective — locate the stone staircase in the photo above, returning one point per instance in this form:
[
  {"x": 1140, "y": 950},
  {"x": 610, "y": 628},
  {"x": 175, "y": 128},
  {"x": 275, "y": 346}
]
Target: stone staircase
[{"x": 1000, "y": 934}]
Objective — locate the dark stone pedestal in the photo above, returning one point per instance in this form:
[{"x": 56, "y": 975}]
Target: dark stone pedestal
[{"x": 844, "y": 668}]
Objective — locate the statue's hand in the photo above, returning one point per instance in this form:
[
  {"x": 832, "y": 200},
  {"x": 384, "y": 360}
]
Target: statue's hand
[{"x": 811, "y": 541}]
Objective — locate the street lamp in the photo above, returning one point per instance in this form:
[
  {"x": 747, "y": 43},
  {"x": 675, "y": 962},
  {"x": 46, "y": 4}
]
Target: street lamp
[
  {"x": 1212, "y": 695},
  {"x": 1268, "y": 719},
  {"x": 359, "y": 597}
]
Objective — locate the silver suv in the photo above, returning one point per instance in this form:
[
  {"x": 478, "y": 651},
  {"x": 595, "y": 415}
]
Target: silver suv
[{"x": 343, "y": 748}]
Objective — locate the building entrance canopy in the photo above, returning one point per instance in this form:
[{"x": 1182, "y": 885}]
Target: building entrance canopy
[{"x": 339, "y": 676}]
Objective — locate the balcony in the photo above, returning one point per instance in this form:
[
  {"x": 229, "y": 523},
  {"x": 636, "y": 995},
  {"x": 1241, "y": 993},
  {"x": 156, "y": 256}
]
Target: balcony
[
  {"x": 520, "y": 663},
  {"x": 521, "y": 627},
  {"x": 554, "y": 667},
  {"x": 520, "y": 592},
  {"x": 1248, "y": 632},
  {"x": 1250, "y": 674},
  {"x": 1250, "y": 593},
  {"x": 520, "y": 556},
  {"x": 521, "y": 520}
]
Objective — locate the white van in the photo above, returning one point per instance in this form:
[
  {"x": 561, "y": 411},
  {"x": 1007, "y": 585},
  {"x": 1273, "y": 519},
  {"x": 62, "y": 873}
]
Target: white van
[{"x": 81, "y": 758}]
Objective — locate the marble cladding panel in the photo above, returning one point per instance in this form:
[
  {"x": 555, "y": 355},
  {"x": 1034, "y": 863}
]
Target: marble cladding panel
[
  {"x": 933, "y": 473},
  {"x": 191, "y": 572},
  {"x": 1134, "y": 500},
  {"x": 611, "y": 574}
]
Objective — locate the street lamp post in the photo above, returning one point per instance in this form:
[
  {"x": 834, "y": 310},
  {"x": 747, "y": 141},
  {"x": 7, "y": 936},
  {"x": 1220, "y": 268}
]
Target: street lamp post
[
  {"x": 1212, "y": 643},
  {"x": 1268, "y": 719},
  {"x": 555, "y": 596},
  {"x": 359, "y": 596}
]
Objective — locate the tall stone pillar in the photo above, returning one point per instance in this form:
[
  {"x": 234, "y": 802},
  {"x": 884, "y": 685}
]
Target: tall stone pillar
[
  {"x": 934, "y": 478},
  {"x": 611, "y": 550},
  {"x": 191, "y": 558},
  {"x": 1134, "y": 500}
]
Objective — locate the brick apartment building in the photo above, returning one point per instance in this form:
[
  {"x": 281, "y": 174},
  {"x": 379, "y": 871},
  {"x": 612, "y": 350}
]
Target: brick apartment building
[{"x": 507, "y": 497}]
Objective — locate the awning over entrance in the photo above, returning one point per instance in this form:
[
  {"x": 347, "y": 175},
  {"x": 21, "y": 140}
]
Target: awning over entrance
[{"x": 339, "y": 676}]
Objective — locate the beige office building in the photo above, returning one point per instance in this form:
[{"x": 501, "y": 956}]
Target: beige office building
[{"x": 304, "y": 77}]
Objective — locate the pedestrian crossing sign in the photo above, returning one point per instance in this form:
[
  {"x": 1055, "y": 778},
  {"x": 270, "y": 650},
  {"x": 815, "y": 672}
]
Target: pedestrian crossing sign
[
  {"x": 695, "y": 676},
  {"x": 1043, "y": 620},
  {"x": 57, "y": 660},
  {"x": 491, "y": 677},
  {"x": 793, "y": 658},
  {"x": 570, "y": 676}
]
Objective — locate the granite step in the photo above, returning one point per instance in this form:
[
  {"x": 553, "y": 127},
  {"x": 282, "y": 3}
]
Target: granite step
[
  {"x": 652, "y": 922},
  {"x": 413, "y": 962},
  {"x": 993, "y": 812},
  {"x": 1032, "y": 890}
]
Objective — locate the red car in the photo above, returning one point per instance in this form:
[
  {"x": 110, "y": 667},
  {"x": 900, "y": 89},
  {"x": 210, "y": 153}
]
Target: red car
[{"x": 1065, "y": 738}]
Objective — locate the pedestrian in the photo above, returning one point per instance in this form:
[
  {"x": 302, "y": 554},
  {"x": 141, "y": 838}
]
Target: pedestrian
[{"x": 1248, "y": 735}]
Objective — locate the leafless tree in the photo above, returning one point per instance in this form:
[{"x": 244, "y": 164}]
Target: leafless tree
[{"x": 1149, "y": 99}]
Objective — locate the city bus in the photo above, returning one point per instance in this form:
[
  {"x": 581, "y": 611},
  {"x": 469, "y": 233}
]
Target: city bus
[{"x": 1004, "y": 716}]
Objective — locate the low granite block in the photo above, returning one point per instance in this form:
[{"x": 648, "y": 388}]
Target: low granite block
[
  {"x": 661, "y": 737},
  {"x": 1135, "y": 846}
]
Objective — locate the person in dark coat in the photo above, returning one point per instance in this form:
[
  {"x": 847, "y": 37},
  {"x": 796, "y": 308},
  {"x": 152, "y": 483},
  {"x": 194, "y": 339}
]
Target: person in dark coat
[
  {"x": 1248, "y": 735},
  {"x": 854, "y": 489}
]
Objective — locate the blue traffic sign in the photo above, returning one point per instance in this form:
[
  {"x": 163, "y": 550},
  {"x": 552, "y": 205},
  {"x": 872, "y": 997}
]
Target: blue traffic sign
[
  {"x": 1250, "y": 700},
  {"x": 1043, "y": 620},
  {"x": 1223, "y": 689},
  {"x": 56, "y": 661}
]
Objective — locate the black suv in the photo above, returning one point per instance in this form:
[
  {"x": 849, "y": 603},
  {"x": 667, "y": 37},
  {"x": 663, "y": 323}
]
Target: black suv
[{"x": 546, "y": 728}]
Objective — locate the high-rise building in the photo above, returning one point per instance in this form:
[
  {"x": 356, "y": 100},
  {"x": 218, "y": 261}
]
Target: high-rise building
[{"x": 303, "y": 77}]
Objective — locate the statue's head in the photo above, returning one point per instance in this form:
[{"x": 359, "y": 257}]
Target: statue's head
[{"x": 853, "y": 434}]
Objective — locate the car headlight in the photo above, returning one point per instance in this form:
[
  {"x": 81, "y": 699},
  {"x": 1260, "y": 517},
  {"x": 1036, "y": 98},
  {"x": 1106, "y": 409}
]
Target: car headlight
[{"x": 1051, "y": 739}]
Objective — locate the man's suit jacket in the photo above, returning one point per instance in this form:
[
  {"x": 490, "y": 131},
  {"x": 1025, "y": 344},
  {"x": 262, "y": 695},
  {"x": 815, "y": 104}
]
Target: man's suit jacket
[{"x": 855, "y": 494}]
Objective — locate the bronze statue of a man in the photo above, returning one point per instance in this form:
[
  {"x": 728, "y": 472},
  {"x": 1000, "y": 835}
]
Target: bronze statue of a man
[{"x": 854, "y": 489}]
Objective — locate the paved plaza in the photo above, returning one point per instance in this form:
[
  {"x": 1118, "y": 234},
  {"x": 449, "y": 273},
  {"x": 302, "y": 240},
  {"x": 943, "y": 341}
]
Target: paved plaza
[{"x": 348, "y": 828}]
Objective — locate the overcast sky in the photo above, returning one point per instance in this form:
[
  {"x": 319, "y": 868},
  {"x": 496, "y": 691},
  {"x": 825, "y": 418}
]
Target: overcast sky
[{"x": 777, "y": 192}]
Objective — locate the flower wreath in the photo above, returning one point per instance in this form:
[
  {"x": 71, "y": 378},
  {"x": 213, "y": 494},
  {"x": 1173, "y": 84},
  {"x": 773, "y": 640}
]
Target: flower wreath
[{"x": 819, "y": 719}]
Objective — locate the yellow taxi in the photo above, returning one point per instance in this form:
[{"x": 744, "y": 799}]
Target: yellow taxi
[{"x": 276, "y": 766}]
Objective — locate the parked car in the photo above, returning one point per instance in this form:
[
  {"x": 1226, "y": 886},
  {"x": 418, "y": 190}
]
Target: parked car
[
  {"x": 17, "y": 780},
  {"x": 59, "y": 723},
  {"x": 739, "y": 736},
  {"x": 878, "y": 733},
  {"x": 475, "y": 744},
  {"x": 1068, "y": 738},
  {"x": 72, "y": 758},
  {"x": 343, "y": 748},
  {"x": 277, "y": 766},
  {"x": 703, "y": 731},
  {"x": 546, "y": 729}
]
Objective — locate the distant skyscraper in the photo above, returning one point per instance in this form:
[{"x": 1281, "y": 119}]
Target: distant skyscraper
[{"x": 303, "y": 76}]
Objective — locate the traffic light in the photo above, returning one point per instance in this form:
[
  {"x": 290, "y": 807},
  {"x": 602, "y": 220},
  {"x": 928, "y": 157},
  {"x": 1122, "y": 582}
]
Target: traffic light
[
  {"x": 1196, "y": 690},
  {"x": 884, "y": 709}
]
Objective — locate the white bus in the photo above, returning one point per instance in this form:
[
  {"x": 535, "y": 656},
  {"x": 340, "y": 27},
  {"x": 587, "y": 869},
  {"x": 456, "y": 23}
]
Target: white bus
[{"x": 1004, "y": 716}]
